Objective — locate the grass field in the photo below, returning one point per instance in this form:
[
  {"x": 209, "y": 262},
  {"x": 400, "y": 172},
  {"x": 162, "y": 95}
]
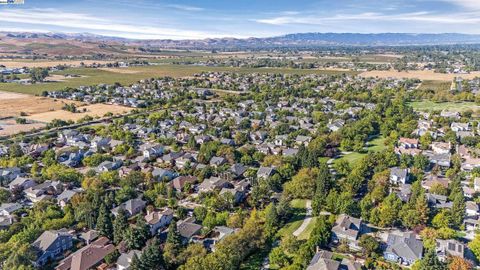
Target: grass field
[
  {"x": 306, "y": 233},
  {"x": 134, "y": 74},
  {"x": 375, "y": 145},
  {"x": 298, "y": 207},
  {"x": 435, "y": 85},
  {"x": 428, "y": 105}
]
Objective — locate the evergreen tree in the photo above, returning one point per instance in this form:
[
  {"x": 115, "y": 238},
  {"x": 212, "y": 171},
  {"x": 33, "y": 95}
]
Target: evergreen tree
[
  {"x": 431, "y": 262},
  {"x": 120, "y": 225},
  {"x": 135, "y": 264},
  {"x": 322, "y": 187},
  {"x": 152, "y": 258},
  {"x": 271, "y": 220},
  {"x": 104, "y": 222},
  {"x": 458, "y": 210}
]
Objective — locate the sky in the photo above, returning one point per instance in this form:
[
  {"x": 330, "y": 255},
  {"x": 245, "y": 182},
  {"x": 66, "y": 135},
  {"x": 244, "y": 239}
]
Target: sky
[{"x": 200, "y": 19}]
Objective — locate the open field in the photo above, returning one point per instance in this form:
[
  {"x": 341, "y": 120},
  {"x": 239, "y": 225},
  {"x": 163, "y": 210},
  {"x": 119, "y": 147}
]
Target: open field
[
  {"x": 298, "y": 207},
  {"x": 428, "y": 105},
  {"x": 95, "y": 110},
  {"x": 418, "y": 74},
  {"x": 435, "y": 85},
  {"x": 13, "y": 104},
  {"x": 10, "y": 127},
  {"x": 45, "y": 63},
  {"x": 90, "y": 76},
  {"x": 375, "y": 145}
]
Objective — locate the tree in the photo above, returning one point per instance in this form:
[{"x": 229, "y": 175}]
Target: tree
[
  {"x": 388, "y": 212},
  {"x": 368, "y": 244},
  {"x": 135, "y": 264},
  {"x": 104, "y": 222},
  {"x": 458, "y": 263},
  {"x": 278, "y": 257},
  {"x": 474, "y": 246},
  {"x": 271, "y": 220},
  {"x": 120, "y": 225},
  {"x": 173, "y": 245},
  {"x": 152, "y": 258},
  {"x": 431, "y": 262},
  {"x": 136, "y": 236},
  {"x": 458, "y": 210},
  {"x": 38, "y": 74}
]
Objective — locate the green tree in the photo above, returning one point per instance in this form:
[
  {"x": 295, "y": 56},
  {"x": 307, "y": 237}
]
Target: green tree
[
  {"x": 120, "y": 226},
  {"x": 431, "y": 262},
  {"x": 152, "y": 257},
  {"x": 104, "y": 222}
]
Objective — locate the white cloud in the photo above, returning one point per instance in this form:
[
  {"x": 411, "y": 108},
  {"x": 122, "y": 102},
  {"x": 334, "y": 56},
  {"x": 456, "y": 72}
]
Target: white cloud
[
  {"x": 77, "y": 22},
  {"x": 421, "y": 16},
  {"x": 469, "y": 4},
  {"x": 186, "y": 8}
]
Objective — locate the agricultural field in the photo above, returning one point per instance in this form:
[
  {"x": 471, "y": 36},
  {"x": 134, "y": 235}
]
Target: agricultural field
[
  {"x": 127, "y": 76},
  {"x": 14, "y": 104},
  {"x": 47, "y": 63},
  {"x": 10, "y": 127},
  {"x": 435, "y": 85},
  {"x": 426, "y": 75},
  {"x": 428, "y": 105},
  {"x": 95, "y": 110}
]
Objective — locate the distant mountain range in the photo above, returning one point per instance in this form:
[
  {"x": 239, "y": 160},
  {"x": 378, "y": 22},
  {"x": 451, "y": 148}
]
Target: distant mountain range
[{"x": 304, "y": 40}]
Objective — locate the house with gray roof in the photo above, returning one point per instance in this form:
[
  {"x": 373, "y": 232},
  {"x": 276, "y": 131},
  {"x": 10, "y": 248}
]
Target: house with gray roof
[
  {"x": 50, "y": 245},
  {"x": 347, "y": 228},
  {"x": 132, "y": 207},
  {"x": 404, "y": 249},
  {"x": 398, "y": 176},
  {"x": 125, "y": 259}
]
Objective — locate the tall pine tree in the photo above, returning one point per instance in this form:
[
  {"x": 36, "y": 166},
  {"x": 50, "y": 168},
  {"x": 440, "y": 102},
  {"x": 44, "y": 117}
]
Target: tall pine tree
[
  {"x": 120, "y": 226},
  {"x": 104, "y": 222}
]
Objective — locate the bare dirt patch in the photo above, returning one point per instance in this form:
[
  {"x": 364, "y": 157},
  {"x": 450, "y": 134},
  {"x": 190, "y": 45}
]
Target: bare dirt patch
[
  {"x": 43, "y": 63},
  {"x": 9, "y": 127},
  {"x": 95, "y": 110},
  {"x": 120, "y": 70},
  {"x": 418, "y": 74},
  {"x": 13, "y": 104}
]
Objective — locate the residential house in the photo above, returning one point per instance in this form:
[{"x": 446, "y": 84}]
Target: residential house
[
  {"x": 21, "y": 183},
  {"x": 7, "y": 209},
  {"x": 455, "y": 126},
  {"x": 64, "y": 198},
  {"x": 88, "y": 256},
  {"x": 158, "y": 219},
  {"x": 398, "y": 176},
  {"x": 449, "y": 247},
  {"x": 265, "y": 172},
  {"x": 50, "y": 245},
  {"x": 188, "y": 229},
  {"x": 161, "y": 174},
  {"x": 108, "y": 166},
  {"x": 45, "y": 190},
  {"x": 132, "y": 207},
  {"x": 180, "y": 182},
  {"x": 125, "y": 259},
  {"x": 213, "y": 183},
  {"x": 441, "y": 147},
  {"x": 347, "y": 228},
  {"x": 150, "y": 152},
  {"x": 404, "y": 249},
  {"x": 305, "y": 140}
]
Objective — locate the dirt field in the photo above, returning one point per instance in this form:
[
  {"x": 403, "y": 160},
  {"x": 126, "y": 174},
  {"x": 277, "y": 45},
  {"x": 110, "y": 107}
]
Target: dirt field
[
  {"x": 120, "y": 70},
  {"x": 43, "y": 63},
  {"x": 418, "y": 74},
  {"x": 10, "y": 127},
  {"x": 92, "y": 110},
  {"x": 12, "y": 104}
]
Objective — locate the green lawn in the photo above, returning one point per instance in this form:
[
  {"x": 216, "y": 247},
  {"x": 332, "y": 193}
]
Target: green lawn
[
  {"x": 298, "y": 207},
  {"x": 98, "y": 76},
  {"x": 306, "y": 233},
  {"x": 428, "y": 105},
  {"x": 375, "y": 145}
]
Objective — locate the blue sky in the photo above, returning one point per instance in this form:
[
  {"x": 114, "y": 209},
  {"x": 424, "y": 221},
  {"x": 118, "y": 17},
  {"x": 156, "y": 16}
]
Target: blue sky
[{"x": 189, "y": 19}]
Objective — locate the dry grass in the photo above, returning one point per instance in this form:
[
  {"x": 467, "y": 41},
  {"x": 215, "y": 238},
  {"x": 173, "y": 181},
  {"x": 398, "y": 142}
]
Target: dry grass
[
  {"x": 95, "y": 110},
  {"x": 13, "y": 104},
  {"x": 44, "y": 63},
  {"x": 418, "y": 74},
  {"x": 120, "y": 70},
  {"x": 10, "y": 127}
]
